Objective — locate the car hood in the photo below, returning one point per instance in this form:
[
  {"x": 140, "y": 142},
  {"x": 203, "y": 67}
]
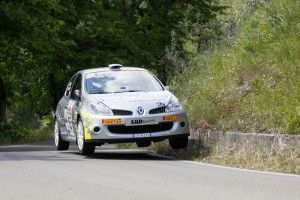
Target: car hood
[{"x": 132, "y": 100}]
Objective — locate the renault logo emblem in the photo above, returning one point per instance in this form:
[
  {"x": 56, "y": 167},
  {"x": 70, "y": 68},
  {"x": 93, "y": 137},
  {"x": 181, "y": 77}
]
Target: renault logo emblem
[{"x": 140, "y": 110}]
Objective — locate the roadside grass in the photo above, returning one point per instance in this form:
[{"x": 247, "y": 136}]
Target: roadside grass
[
  {"x": 248, "y": 83},
  {"x": 249, "y": 157},
  {"x": 256, "y": 159}
]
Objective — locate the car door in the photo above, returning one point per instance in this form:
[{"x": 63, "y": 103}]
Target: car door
[
  {"x": 73, "y": 106},
  {"x": 62, "y": 108}
]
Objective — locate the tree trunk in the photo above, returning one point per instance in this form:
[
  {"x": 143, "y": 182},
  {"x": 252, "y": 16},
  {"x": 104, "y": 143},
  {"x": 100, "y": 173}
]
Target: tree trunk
[
  {"x": 2, "y": 100},
  {"x": 124, "y": 13}
]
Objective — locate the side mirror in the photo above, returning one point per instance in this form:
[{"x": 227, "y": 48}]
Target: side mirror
[
  {"x": 167, "y": 88},
  {"x": 77, "y": 94}
]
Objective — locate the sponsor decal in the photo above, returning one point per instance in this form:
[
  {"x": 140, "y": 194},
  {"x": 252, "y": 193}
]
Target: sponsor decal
[
  {"x": 142, "y": 121},
  {"x": 68, "y": 111},
  {"x": 69, "y": 127},
  {"x": 171, "y": 117},
  {"x": 97, "y": 74},
  {"x": 63, "y": 130},
  {"x": 90, "y": 75},
  {"x": 68, "y": 114},
  {"x": 111, "y": 121}
]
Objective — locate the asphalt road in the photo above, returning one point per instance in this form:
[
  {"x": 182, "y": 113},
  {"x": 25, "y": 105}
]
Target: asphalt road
[{"x": 37, "y": 171}]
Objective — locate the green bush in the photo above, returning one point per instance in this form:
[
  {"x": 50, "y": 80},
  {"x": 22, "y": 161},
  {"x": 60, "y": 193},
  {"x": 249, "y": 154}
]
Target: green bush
[
  {"x": 248, "y": 82},
  {"x": 24, "y": 115},
  {"x": 13, "y": 133}
]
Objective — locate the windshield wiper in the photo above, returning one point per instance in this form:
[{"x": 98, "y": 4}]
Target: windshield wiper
[
  {"x": 136, "y": 91},
  {"x": 101, "y": 93},
  {"x": 130, "y": 91}
]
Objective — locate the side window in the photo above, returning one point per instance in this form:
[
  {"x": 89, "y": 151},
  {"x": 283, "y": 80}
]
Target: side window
[
  {"x": 76, "y": 86},
  {"x": 69, "y": 86}
]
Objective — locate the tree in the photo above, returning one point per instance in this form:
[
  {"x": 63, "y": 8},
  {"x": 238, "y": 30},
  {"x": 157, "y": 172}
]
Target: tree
[{"x": 43, "y": 43}]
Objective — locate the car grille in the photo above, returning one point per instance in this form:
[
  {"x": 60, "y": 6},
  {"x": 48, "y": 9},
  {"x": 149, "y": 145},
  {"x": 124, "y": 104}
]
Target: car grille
[
  {"x": 158, "y": 110},
  {"x": 141, "y": 129},
  {"x": 122, "y": 112}
]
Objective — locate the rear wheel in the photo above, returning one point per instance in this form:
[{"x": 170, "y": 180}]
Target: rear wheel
[
  {"x": 84, "y": 148},
  {"x": 179, "y": 143},
  {"x": 143, "y": 144},
  {"x": 59, "y": 143}
]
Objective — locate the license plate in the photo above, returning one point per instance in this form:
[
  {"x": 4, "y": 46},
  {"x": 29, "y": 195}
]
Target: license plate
[
  {"x": 141, "y": 121},
  {"x": 141, "y": 135}
]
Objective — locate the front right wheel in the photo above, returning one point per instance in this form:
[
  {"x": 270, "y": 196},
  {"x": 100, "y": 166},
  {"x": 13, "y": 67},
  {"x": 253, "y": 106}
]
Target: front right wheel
[
  {"x": 179, "y": 143},
  {"x": 84, "y": 147}
]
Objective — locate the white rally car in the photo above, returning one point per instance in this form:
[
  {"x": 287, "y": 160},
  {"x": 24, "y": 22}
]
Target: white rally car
[{"x": 118, "y": 104}]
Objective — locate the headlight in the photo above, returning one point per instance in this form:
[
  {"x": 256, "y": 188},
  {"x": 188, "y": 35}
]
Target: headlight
[
  {"x": 174, "y": 105},
  {"x": 100, "y": 109}
]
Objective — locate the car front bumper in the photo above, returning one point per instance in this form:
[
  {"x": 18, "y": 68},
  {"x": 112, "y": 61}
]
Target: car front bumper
[{"x": 115, "y": 129}]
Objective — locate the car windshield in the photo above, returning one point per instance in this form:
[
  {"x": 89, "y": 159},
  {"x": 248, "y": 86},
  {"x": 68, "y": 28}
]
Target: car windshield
[{"x": 121, "y": 81}]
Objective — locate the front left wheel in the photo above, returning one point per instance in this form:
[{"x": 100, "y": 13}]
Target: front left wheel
[
  {"x": 179, "y": 143},
  {"x": 84, "y": 147},
  {"x": 143, "y": 143},
  {"x": 59, "y": 143}
]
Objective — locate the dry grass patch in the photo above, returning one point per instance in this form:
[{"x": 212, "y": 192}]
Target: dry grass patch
[
  {"x": 250, "y": 157},
  {"x": 256, "y": 159}
]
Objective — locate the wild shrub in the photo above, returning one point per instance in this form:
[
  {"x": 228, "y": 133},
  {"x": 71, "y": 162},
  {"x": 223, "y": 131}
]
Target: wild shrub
[
  {"x": 13, "y": 133},
  {"x": 248, "y": 78}
]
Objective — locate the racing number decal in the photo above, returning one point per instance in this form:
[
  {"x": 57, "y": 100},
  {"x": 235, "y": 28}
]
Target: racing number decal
[{"x": 69, "y": 125}]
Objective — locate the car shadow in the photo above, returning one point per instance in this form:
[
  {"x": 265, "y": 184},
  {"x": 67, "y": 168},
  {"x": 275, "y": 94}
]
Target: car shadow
[
  {"x": 124, "y": 154},
  {"x": 46, "y": 151},
  {"x": 127, "y": 154}
]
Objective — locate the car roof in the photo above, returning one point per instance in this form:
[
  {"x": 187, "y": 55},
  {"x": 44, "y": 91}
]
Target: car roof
[{"x": 106, "y": 69}]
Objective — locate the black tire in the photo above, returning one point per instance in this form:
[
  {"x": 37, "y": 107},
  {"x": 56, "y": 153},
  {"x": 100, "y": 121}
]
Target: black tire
[
  {"x": 58, "y": 142},
  {"x": 85, "y": 148},
  {"x": 143, "y": 143},
  {"x": 179, "y": 143}
]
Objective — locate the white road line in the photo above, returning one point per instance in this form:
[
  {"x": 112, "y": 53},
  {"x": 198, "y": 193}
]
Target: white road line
[{"x": 224, "y": 167}]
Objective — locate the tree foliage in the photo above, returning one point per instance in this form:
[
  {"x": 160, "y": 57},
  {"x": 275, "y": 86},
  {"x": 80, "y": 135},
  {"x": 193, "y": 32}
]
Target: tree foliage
[{"x": 42, "y": 43}]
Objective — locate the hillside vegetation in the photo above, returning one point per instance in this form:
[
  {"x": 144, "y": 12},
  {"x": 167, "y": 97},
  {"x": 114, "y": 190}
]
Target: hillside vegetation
[{"x": 249, "y": 80}]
